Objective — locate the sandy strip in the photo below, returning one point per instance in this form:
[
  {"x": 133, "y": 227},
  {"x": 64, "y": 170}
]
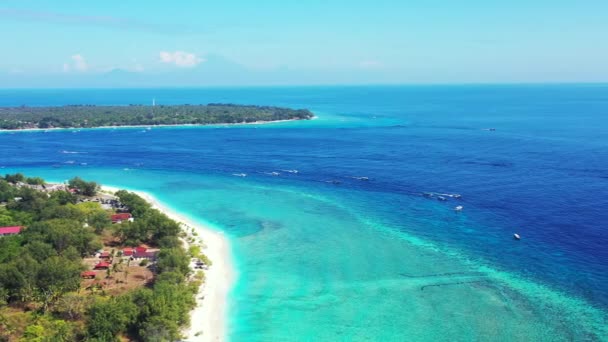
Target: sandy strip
[{"x": 208, "y": 319}]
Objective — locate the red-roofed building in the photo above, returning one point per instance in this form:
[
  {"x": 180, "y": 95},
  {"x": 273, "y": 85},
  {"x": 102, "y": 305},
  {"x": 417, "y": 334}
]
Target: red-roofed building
[
  {"x": 14, "y": 230},
  {"x": 104, "y": 255},
  {"x": 151, "y": 255},
  {"x": 142, "y": 251},
  {"x": 118, "y": 218},
  {"x": 128, "y": 251},
  {"x": 88, "y": 274},
  {"x": 102, "y": 265}
]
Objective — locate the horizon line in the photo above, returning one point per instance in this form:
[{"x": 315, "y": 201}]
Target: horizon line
[{"x": 405, "y": 84}]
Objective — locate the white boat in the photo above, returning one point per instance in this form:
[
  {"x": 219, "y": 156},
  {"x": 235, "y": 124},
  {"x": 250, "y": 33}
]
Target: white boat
[
  {"x": 240, "y": 174},
  {"x": 458, "y": 208},
  {"x": 451, "y": 195},
  {"x": 516, "y": 236}
]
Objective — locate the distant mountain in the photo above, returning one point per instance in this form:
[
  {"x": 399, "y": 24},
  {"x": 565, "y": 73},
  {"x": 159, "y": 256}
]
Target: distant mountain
[{"x": 215, "y": 70}]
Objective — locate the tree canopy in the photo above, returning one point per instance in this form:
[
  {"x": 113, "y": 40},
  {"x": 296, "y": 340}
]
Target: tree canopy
[
  {"x": 40, "y": 269},
  {"x": 87, "y": 116},
  {"x": 85, "y": 188}
]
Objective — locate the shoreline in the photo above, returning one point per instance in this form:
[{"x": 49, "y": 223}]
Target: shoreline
[
  {"x": 149, "y": 126},
  {"x": 208, "y": 320}
]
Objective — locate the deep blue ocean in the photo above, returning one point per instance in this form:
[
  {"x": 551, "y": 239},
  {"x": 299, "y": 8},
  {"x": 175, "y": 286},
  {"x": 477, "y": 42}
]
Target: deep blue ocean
[{"x": 346, "y": 243}]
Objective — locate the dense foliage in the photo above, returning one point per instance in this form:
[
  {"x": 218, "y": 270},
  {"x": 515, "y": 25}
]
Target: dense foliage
[
  {"x": 40, "y": 295},
  {"x": 80, "y": 116},
  {"x": 85, "y": 188},
  {"x": 150, "y": 225}
]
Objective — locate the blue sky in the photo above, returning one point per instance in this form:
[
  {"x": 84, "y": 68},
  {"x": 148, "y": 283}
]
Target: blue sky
[{"x": 73, "y": 43}]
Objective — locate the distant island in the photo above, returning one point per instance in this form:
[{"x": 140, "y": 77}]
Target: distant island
[{"x": 91, "y": 116}]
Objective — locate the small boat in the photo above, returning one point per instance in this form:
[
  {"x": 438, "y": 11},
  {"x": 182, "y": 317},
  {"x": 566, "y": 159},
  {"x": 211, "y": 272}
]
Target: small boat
[
  {"x": 516, "y": 236},
  {"x": 458, "y": 208},
  {"x": 450, "y": 195},
  {"x": 361, "y": 178},
  {"x": 441, "y": 198},
  {"x": 240, "y": 174},
  {"x": 274, "y": 173}
]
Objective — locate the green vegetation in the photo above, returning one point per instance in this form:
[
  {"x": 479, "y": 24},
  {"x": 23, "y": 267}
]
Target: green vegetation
[
  {"x": 34, "y": 181},
  {"x": 150, "y": 225},
  {"x": 87, "y": 116},
  {"x": 85, "y": 188},
  {"x": 195, "y": 252},
  {"x": 41, "y": 298}
]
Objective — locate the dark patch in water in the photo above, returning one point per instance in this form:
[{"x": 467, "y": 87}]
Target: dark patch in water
[
  {"x": 442, "y": 274},
  {"x": 457, "y": 283},
  {"x": 495, "y": 164}
]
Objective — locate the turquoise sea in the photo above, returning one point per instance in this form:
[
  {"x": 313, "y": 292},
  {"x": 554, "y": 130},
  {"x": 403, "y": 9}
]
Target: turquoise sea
[{"x": 327, "y": 255}]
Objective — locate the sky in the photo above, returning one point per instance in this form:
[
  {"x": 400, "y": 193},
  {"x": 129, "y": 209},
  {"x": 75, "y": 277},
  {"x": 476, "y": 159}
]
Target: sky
[{"x": 65, "y": 43}]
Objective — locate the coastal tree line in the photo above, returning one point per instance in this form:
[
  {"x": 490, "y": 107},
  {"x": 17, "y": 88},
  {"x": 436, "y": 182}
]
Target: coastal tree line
[
  {"x": 87, "y": 116},
  {"x": 40, "y": 294}
]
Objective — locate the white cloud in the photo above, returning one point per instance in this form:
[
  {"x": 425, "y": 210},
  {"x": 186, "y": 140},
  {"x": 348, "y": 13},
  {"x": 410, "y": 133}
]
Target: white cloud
[
  {"x": 78, "y": 63},
  {"x": 137, "y": 67},
  {"x": 371, "y": 64},
  {"x": 180, "y": 58}
]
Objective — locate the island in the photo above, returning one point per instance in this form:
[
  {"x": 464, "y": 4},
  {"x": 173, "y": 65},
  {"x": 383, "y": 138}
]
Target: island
[
  {"x": 92, "y": 116},
  {"x": 81, "y": 264}
]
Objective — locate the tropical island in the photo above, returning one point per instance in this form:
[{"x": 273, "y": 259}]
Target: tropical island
[
  {"x": 91, "y": 116},
  {"x": 79, "y": 264}
]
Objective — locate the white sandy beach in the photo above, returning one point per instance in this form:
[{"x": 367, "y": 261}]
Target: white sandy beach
[{"x": 208, "y": 319}]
